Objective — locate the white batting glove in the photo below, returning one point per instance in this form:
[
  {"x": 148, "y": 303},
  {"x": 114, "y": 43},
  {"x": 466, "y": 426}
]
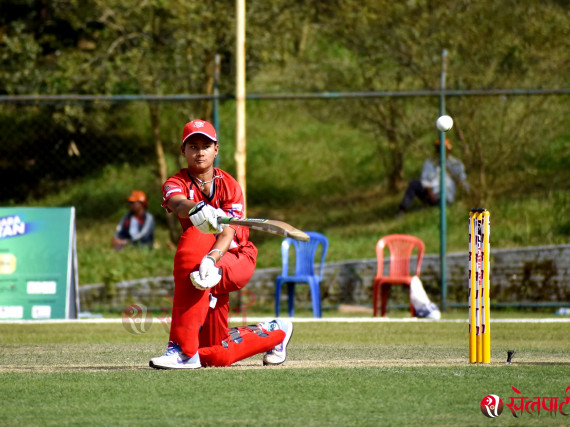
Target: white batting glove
[
  {"x": 207, "y": 267},
  {"x": 205, "y": 218},
  {"x": 210, "y": 281},
  {"x": 222, "y": 214}
]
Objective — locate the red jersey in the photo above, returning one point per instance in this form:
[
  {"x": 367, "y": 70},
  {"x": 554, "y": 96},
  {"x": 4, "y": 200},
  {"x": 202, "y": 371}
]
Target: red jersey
[{"x": 226, "y": 195}]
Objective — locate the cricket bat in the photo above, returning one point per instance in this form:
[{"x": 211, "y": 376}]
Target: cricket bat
[{"x": 267, "y": 225}]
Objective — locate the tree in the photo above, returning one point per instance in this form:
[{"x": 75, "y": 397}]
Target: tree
[
  {"x": 156, "y": 48},
  {"x": 382, "y": 45},
  {"x": 115, "y": 47}
]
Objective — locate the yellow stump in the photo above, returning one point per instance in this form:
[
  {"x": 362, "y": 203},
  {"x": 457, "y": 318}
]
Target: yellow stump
[
  {"x": 472, "y": 287},
  {"x": 486, "y": 330},
  {"x": 479, "y": 302}
]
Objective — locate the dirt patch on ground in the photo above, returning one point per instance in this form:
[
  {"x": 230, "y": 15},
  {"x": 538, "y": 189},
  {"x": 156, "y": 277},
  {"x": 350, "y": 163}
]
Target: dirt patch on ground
[
  {"x": 70, "y": 368},
  {"x": 290, "y": 364}
]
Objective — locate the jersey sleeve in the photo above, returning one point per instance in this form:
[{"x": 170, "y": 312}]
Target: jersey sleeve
[
  {"x": 120, "y": 226},
  {"x": 457, "y": 169},
  {"x": 172, "y": 187},
  {"x": 429, "y": 176}
]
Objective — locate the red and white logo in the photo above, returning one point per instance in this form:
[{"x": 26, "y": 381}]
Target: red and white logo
[
  {"x": 492, "y": 406},
  {"x": 198, "y": 124},
  {"x": 137, "y": 319}
]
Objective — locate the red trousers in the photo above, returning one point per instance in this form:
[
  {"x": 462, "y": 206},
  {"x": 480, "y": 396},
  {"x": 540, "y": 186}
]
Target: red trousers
[{"x": 198, "y": 327}]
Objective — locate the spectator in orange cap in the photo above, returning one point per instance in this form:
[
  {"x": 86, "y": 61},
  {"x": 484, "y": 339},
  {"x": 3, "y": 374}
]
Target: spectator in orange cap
[
  {"x": 137, "y": 226},
  {"x": 427, "y": 188}
]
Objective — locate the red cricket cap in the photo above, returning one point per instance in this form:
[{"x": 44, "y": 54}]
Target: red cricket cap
[{"x": 199, "y": 126}]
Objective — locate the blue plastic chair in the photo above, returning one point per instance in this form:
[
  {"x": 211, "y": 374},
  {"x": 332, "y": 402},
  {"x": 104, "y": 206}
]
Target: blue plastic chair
[{"x": 305, "y": 254}]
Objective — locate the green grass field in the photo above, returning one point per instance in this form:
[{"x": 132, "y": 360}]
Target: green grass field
[{"x": 337, "y": 373}]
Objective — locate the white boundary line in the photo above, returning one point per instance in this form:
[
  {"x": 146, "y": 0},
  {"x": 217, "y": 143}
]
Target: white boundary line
[{"x": 253, "y": 320}]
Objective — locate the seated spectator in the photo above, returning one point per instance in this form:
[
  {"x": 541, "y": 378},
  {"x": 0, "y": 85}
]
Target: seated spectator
[
  {"x": 137, "y": 226},
  {"x": 427, "y": 187}
]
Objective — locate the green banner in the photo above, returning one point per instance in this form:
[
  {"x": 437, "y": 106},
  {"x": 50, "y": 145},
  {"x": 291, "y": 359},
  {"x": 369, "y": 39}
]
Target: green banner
[{"x": 38, "y": 264}]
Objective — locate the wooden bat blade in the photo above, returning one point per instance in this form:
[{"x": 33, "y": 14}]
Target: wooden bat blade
[{"x": 268, "y": 226}]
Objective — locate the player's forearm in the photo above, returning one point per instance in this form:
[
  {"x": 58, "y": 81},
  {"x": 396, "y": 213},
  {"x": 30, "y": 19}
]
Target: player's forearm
[
  {"x": 181, "y": 206},
  {"x": 222, "y": 244}
]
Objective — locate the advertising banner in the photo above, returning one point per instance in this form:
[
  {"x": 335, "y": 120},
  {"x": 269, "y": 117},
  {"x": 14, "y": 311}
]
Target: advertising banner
[{"x": 38, "y": 264}]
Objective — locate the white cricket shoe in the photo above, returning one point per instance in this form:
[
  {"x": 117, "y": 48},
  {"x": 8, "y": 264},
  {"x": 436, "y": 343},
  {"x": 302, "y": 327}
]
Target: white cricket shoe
[
  {"x": 278, "y": 354},
  {"x": 174, "y": 358}
]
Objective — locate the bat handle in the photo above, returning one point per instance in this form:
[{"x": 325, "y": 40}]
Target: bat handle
[{"x": 224, "y": 220}]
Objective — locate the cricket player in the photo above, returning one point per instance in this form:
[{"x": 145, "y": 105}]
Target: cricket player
[{"x": 211, "y": 261}]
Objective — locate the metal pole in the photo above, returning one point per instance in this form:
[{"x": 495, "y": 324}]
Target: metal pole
[
  {"x": 240, "y": 154},
  {"x": 216, "y": 102},
  {"x": 442, "y": 218}
]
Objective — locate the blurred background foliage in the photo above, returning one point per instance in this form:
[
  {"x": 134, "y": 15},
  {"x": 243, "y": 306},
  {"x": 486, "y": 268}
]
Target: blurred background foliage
[{"x": 338, "y": 165}]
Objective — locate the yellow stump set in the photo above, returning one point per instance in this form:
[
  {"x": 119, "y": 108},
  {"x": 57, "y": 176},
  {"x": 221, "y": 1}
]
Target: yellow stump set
[{"x": 479, "y": 303}]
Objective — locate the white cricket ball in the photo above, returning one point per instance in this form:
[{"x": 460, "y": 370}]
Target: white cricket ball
[{"x": 444, "y": 123}]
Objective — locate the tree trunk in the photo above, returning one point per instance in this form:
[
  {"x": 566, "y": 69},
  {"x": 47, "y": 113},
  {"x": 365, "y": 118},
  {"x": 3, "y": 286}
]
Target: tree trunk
[
  {"x": 396, "y": 171},
  {"x": 174, "y": 229}
]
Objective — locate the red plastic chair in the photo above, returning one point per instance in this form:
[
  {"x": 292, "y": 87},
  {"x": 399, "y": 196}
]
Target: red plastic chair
[{"x": 400, "y": 247}]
